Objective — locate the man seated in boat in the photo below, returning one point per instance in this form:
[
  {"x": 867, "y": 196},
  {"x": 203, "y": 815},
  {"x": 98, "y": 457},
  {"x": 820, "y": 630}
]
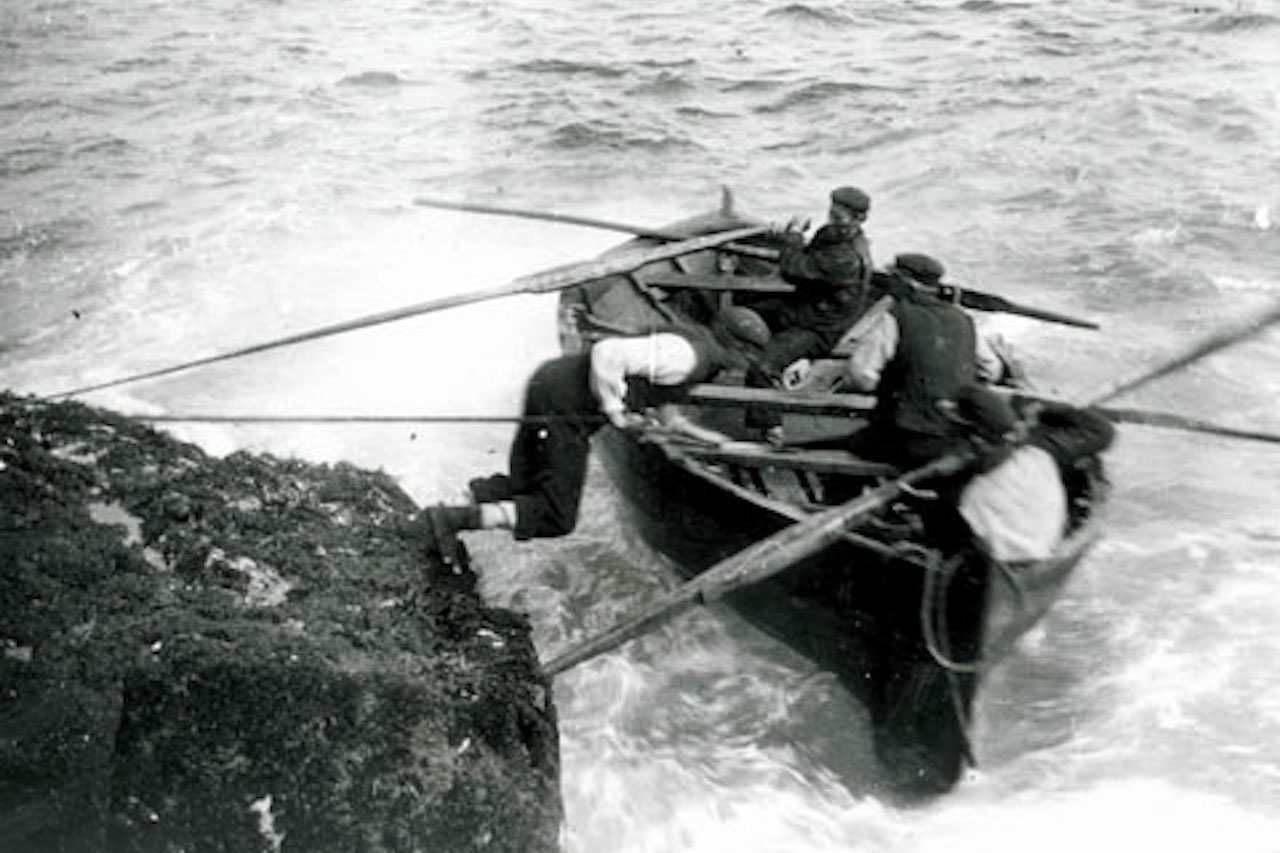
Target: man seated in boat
[
  {"x": 568, "y": 398},
  {"x": 831, "y": 274},
  {"x": 920, "y": 350},
  {"x": 1017, "y": 504}
]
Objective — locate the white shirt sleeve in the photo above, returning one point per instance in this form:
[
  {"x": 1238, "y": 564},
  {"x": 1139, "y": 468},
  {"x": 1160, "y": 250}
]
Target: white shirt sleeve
[
  {"x": 662, "y": 358},
  {"x": 990, "y": 364},
  {"x": 871, "y": 352}
]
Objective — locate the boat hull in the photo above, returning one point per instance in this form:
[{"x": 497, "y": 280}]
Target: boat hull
[
  {"x": 853, "y": 612},
  {"x": 909, "y": 638}
]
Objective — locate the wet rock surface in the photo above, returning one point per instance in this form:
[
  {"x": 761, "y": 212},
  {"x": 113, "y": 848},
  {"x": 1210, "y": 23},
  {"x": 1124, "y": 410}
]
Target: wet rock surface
[{"x": 248, "y": 654}]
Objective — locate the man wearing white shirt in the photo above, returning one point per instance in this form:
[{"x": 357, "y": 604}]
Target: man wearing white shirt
[
  {"x": 568, "y": 398},
  {"x": 1017, "y": 506}
]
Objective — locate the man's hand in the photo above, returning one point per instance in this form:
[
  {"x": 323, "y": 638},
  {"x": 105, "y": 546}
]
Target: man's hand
[
  {"x": 796, "y": 373},
  {"x": 672, "y": 418},
  {"x": 628, "y": 421},
  {"x": 791, "y": 233}
]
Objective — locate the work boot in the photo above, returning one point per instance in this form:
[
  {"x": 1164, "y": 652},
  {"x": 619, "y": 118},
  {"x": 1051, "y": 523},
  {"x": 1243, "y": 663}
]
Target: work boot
[{"x": 446, "y": 521}]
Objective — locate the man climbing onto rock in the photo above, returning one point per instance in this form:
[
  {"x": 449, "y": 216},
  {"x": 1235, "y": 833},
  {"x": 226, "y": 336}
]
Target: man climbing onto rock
[{"x": 569, "y": 398}]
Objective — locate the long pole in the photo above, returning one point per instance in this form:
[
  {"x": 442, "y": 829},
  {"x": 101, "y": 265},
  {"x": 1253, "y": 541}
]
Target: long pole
[
  {"x": 549, "y": 281},
  {"x": 1167, "y": 420},
  {"x": 1193, "y": 352},
  {"x": 354, "y": 419},
  {"x": 586, "y": 221}
]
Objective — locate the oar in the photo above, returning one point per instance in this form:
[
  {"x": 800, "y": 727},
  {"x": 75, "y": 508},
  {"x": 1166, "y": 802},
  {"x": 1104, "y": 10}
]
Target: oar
[
  {"x": 1193, "y": 352},
  {"x": 765, "y": 558},
  {"x": 1171, "y": 421},
  {"x": 605, "y": 224},
  {"x": 706, "y": 394},
  {"x": 544, "y": 282},
  {"x": 974, "y": 299},
  {"x": 355, "y": 419}
]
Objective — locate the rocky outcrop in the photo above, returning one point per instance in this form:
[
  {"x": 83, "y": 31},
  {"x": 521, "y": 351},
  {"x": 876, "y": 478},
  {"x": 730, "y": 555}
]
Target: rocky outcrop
[{"x": 248, "y": 654}]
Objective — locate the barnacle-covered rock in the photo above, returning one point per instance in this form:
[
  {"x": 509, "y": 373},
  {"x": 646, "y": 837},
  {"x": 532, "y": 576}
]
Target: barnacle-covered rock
[{"x": 248, "y": 654}]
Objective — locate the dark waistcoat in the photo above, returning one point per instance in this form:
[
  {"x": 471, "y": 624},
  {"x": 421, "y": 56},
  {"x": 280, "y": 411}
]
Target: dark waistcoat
[{"x": 934, "y": 360}]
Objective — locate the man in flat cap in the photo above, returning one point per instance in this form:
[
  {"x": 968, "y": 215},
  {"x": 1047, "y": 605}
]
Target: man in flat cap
[
  {"x": 921, "y": 351},
  {"x": 1016, "y": 505},
  {"x": 831, "y": 274}
]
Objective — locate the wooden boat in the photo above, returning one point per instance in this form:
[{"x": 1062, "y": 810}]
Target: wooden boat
[{"x": 907, "y": 630}]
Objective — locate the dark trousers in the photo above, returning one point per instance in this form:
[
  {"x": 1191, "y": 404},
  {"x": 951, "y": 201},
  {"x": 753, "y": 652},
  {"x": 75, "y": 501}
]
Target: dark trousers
[
  {"x": 548, "y": 460},
  {"x": 901, "y": 447}
]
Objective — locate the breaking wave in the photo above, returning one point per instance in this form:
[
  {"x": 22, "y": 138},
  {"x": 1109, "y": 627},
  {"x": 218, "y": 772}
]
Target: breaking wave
[
  {"x": 372, "y": 79},
  {"x": 565, "y": 67},
  {"x": 665, "y": 83},
  {"x": 599, "y": 135},
  {"x": 818, "y": 93},
  {"x": 1236, "y": 22},
  {"x": 805, "y": 14}
]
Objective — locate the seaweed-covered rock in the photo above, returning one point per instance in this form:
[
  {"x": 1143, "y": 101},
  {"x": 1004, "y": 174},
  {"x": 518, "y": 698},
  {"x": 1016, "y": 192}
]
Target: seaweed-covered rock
[{"x": 248, "y": 654}]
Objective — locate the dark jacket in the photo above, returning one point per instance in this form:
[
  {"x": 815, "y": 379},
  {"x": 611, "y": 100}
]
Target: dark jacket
[
  {"x": 830, "y": 275},
  {"x": 1070, "y": 434}
]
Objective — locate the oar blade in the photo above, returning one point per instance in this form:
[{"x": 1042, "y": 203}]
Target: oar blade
[{"x": 991, "y": 302}]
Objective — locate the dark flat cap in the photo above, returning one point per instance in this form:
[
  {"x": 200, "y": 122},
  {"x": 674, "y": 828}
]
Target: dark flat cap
[
  {"x": 922, "y": 268},
  {"x": 852, "y": 198}
]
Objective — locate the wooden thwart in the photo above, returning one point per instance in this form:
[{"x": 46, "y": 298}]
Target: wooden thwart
[
  {"x": 760, "y": 455},
  {"x": 802, "y": 402},
  {"x": 721, "y": 282}
]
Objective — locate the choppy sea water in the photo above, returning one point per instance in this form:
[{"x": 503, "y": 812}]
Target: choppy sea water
[{"x": 180, "y": 179}]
